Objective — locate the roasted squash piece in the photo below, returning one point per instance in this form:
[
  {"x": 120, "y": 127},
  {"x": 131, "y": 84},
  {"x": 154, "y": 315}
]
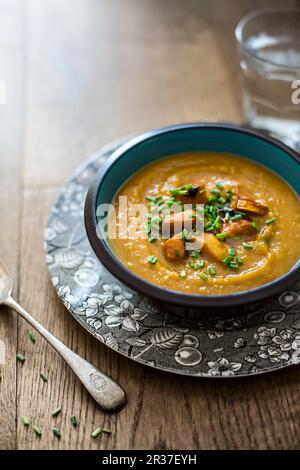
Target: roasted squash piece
[
  {"x": 178, "y": 221},
  {"x": 174, "y": 248},
  {"x": 240, "y": 227},
  {"x": 215, "y": 248},
  {"x": 253, "y": 207}
]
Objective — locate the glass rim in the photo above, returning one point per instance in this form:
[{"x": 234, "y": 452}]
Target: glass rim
[{"x": 255, "y": 14}]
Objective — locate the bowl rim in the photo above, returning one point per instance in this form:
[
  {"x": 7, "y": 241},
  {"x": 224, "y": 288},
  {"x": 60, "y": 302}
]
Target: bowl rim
[{"x": 162, "y": 294}]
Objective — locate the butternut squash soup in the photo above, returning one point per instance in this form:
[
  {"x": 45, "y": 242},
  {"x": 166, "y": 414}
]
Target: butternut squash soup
[{"x": 250, "y": 219}]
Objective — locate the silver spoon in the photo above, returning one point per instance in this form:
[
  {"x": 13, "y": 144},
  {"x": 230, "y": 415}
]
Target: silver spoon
[{"x": 107, "y": 393}]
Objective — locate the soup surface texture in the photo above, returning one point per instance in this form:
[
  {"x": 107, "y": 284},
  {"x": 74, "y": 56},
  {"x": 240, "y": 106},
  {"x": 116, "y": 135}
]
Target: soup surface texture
[{"x": 251, "y": 220}]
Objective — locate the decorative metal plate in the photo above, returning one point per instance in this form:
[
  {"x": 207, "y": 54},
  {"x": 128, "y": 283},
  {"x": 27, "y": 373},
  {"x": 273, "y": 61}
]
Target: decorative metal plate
[{"x": 265, "y": 339}]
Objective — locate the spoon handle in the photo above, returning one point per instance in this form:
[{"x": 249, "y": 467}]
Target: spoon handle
[{"x": 107, "y": 393}]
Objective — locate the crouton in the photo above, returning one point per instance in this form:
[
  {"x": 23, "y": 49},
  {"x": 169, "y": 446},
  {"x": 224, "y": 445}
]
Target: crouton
[
  {"x": 240, "y": 227},
  {"x": 215, "y": 248},
  {"x": 250, "y": 206},
  {"x": 175, "y": 223},
  {"x": 174, "y": 248}
]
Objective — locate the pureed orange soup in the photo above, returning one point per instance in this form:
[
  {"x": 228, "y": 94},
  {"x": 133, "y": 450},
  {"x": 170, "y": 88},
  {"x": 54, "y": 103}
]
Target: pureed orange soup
[{"x": 251, "y": 224}]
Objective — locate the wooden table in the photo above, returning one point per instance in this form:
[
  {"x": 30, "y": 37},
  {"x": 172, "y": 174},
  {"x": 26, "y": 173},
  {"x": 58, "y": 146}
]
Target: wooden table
[{"x": 79, "y": 74}]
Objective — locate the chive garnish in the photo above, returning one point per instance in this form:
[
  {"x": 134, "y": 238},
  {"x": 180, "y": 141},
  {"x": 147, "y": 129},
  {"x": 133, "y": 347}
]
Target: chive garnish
[
  {"x": 271, "y": 221},
  {"x": 182, "y": 274},
  {"x": 184, "y": 234},
  {"x": 236, "y": 217},
  {"x": 203, "y": 276},
  {"x": 201, "y": 263},
  {"x": 219, "y": 185},
  {"x": 56, "y": 412},
  {"x": 227, "y": 216},
  {"x": 228, "y": 259},
  {"x": 152, "y": 259},
  {"x": 194, "y": 265},
  {"x": 221, "y": 236},
  {"x": 239, "y": 260},
  {"x": 106, "y": 431},
  {"x": 96, "y": 433},
  {"x": 216, "y": 192},
  {"x": 182, "y": 190},
  {"x": 26, "y": 421},
  {"x": 20, "y": 357},
  {"x": 38, "y": 430},
  {"x": 212, "y": 270},
  {"x": 195, "y": 254},
  {"x": 43, "y": 377},
  {"x": 233, "y": 265},
  {"x": 74, "y": 421},
  {"x": 56, "y": 432},
  {"x": 248, "y": 245},
  {"x": 222, "y": 200},
  {"x": 177, "y": 252},
  {"x": 32, "y": 336},
  {"x": 255, "y": 226},
  {"x": 232, "y": 252}
]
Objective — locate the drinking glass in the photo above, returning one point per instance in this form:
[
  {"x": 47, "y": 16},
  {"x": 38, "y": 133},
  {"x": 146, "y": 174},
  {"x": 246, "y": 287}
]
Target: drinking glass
[{"x": 269, "y": 49}]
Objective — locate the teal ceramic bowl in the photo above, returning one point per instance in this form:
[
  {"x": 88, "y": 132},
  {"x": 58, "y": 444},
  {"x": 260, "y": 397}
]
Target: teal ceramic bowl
[{"x": 153, "y": 145}]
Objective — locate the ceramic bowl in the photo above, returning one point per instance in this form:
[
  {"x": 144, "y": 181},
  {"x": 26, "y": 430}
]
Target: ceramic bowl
[{"x": 156, "y": 144}]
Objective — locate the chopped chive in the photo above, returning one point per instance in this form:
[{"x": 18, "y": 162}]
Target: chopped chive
[
  {"x": 222, "y": 200},
  {"x": 26, "y": 421},
  {"x": 217, "y": 222},
  {"x": 32, "y": 336},
  {"x": 233, "y": 265},
  {"x": 203, "y": 276},
  {"x": 221, "y": 236},
  {"x": 152, "y": 239},
  {"x": 96, "y": 433},
  {"x": 239, "y": 260},
  {"x": 43, "y": 377},
  {"x": 219, "y": 185},
  {"x": 255, "y": 226},
  {"x": 271, "y": 221},
  {"x": 56, "y": 432},
  {"x": 202, "y": 191},
  {"x": 216, "y": 192},
  {"x": 228, "y": 259},
  {"x": 212, "y": 270},
  {"x": 106, "y": 431},
  {"x": 236, "y": 217},
  {"x": 248, "y": 245},
  {"x": 56, "y": 412},
  {"x": 38, "y": 430},
  {"x": 195, "y": 254},
  {"x": 201, "y": 263},
  {"x": 20, "y": 357},
  {"x": 227, "y": 216},
  {"x": 184, "y": 234},
  {"x": 74, "y": 421},
  {"x": 194, "y": 265},
  {"x": 151, "y": 198},
  {"x": 182, "y": 274},
  {"x": 152, "y": 259},
  {"x": 232, "y": 251},
  {"x": 177, "y": 252}
]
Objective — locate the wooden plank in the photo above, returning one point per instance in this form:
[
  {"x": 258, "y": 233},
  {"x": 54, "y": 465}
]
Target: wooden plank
[{"x": 11, "y": 115}]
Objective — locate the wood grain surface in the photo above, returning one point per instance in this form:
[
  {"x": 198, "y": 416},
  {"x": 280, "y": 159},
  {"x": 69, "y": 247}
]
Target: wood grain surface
[{"x": 78, "y": 74}]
